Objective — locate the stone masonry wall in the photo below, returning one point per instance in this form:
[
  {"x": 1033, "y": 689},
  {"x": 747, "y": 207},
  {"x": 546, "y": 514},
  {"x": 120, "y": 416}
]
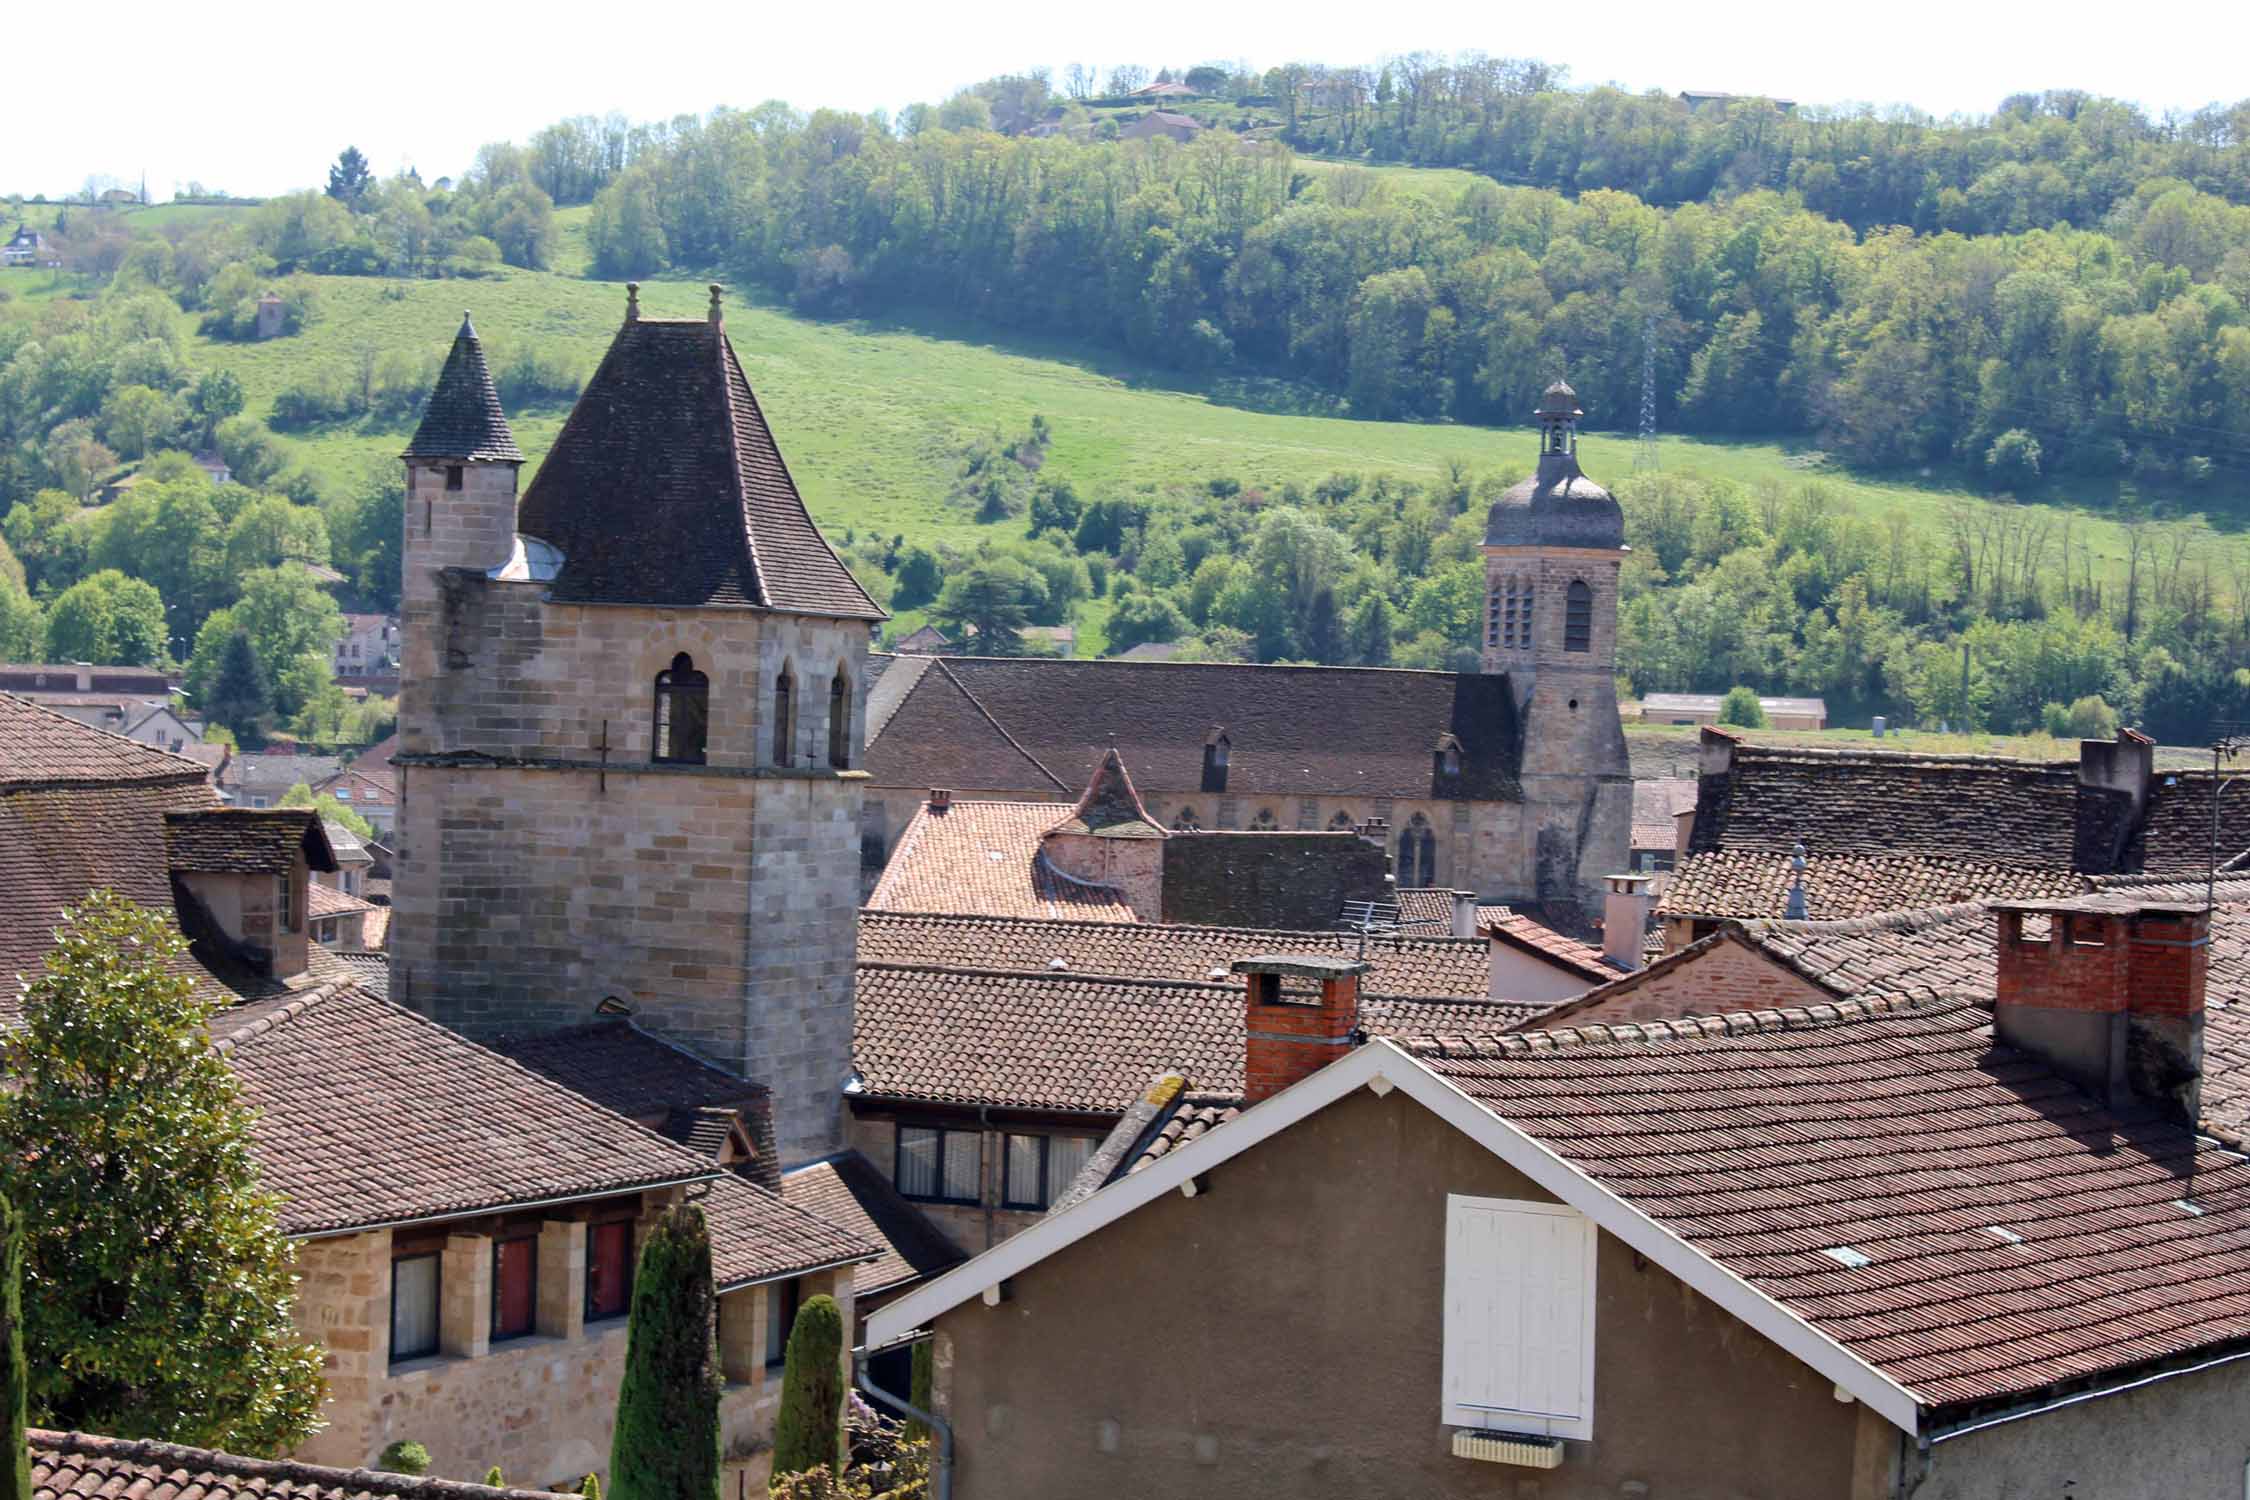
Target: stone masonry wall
[
  {"x": 543, "y": 1407},
  {"x": 719, "y": 900}
]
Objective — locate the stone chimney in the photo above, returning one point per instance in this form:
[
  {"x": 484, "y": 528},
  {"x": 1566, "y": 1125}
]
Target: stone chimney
[
  {"x": 1625, "y": 918},
  {"x": 1465, "y": 914},
  {"x": 2114, "y": 778},
  {"x": 2110, "y": 992},
  {"x": 1301, "y": 1014}
]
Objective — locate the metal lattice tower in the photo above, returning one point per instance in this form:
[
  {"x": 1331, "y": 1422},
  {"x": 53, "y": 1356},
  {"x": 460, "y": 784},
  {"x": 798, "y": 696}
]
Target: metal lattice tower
[{"x": 1644, "y": 456}]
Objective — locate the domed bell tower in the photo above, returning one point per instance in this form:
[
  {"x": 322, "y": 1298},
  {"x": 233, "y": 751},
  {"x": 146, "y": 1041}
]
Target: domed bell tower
[{"x": 1553, "y": 546}]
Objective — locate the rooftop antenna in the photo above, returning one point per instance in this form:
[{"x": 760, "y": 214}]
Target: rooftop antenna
[
  {"x": 1371, "y": 918},
  {"x": 1645, "y": 459},
  {"x": 2225, "y": 747}
]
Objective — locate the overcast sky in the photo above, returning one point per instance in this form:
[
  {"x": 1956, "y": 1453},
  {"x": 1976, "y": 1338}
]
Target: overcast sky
[{"x": 258, "y": 102}]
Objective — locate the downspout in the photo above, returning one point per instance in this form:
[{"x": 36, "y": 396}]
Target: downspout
[
  {"x": 941, "y": 1483},
  {"x": 986, "y": 1190}
]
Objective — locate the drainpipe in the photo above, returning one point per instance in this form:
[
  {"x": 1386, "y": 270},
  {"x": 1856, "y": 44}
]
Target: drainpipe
[
  {"x": 999, "y": 1167},
  {"x": 941, "y": 1483}
]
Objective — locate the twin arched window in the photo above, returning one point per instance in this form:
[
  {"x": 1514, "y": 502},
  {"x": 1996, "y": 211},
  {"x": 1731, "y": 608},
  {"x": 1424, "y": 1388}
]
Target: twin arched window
[{"x": 683, "y": 714}]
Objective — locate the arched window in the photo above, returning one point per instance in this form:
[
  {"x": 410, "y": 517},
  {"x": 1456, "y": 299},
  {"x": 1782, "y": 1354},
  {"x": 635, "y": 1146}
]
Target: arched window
[
  {"x": 840, "y": 720},
  {"x": 1185, "y": 821},
  {"x": 683, "y": 714},
  {"x": 1341, "y": 823},
  {"x": 1265, "y": 821},
  {"x": 784, "y": 716},
  {"x": 1578, "y": 617},
  {"x": 1417, "y": 854}
]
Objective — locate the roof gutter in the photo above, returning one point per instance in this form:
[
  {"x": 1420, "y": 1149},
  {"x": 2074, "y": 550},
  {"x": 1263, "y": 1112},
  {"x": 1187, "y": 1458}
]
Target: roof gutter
[
  {"x": 494, "y": 1208},
  {"x": 2078, "y": 1398},
  {"x": 826, "y": 1265}
]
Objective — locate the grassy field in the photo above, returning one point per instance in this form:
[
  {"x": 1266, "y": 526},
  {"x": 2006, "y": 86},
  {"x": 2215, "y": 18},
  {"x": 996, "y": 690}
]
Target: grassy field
[
  {"x": 872, "y": 414},
  {"x": 1438, "y": 182}
]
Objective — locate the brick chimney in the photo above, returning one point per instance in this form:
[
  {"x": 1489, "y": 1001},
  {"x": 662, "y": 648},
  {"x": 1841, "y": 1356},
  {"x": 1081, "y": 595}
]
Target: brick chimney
[
  {"x": 2110, "y": 992},
  {"x": 1301, "y": 1014},
  {"x": 1625, "y": 918},
  {"x": 941, "y": 798}
]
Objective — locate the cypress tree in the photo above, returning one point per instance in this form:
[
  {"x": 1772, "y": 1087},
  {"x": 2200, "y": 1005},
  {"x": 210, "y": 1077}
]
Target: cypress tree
[
  {"x": 808, "y": 1433},
  {"x": 238, "y": 697},
  {"x": 667, "y": 1442},
  {"x": 15, "y": 1373},
  {"x": 591, "y": 1487},
  {"x": 493, "y": 1479}
]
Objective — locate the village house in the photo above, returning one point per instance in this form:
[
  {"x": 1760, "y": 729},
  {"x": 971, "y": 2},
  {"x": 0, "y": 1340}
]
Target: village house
[
  {"x": 465, "y": 1233},
  {"x": 26, "y": 247},
  {"x": 991, "y": 1054},
  {"x": 1703, "y": 708},
  {"x": 262, "y": 779},
  {"x": 1785, "y": 830},
  {"x": 1512, "y": 781},
  {"x": 368, "y": 647},
  {"x": 1162, "y": 124},
  {"x": 1940, "y": 1246}
]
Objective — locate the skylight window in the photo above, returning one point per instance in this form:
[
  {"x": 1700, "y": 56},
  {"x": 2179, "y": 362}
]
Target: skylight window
[
  {"x": 2004, "y": 1235},
  {"x": 1845, "y": 1255}
]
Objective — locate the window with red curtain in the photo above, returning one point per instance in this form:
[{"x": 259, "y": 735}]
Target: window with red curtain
[
  {"x": 515, "y": 1287},
  {"x": 609, "y": 1269}
]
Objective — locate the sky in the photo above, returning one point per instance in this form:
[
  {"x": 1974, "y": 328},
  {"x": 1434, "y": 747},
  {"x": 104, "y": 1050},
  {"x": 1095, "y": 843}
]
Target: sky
[{"x": 258, "y": 102}]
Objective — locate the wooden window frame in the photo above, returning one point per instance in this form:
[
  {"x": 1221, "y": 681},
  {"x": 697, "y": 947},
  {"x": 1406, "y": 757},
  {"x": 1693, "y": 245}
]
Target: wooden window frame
[
  {"x": 594, "y": 1314},
  {"x": 531, "y": 1323},
  {"x": 437, "y": 1306},
  {"x": 898, "y": 1154}
]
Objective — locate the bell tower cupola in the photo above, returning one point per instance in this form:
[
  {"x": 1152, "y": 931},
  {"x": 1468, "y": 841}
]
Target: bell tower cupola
[{"x": 1553, "y": 548}]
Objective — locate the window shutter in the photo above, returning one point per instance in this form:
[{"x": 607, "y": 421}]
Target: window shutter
[{"x": 1519, "y": 1317}]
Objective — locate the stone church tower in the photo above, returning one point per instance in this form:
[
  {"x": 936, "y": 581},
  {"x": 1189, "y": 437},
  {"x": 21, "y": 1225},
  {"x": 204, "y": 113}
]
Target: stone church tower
[
  {"x": 630, "y": 725},
  {"x": 1552, "y": 549}
]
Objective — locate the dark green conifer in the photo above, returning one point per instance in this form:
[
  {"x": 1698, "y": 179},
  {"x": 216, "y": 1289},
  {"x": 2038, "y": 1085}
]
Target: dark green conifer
[{"x": 666, "y": 1445}]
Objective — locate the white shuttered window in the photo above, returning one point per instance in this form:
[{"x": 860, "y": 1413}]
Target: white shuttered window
[{"x": 1519, "y": 1317}]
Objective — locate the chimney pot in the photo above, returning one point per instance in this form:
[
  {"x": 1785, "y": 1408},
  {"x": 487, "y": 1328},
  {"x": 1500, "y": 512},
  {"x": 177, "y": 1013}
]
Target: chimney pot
[
  {"x": 2109, "y": 992},
  {"x": 1290, "y": 1035}
]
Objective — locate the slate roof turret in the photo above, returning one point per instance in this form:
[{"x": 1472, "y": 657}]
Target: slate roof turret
[
  {"x": 1558, "y": 506},
  {"x": 463, "y": 419},
  {"x": 666, "y": 487}
]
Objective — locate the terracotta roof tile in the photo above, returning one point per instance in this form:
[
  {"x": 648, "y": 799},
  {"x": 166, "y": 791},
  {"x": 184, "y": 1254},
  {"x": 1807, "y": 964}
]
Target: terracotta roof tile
[
  {"x": 1756, "y": 882},
  {"x": 621, "y": 1067},
  {"x": 757, "y": 1235},
  {"x": 327, "y": 901},
  {"x": 1762, "y": 1140},
  {"x": 847, "y": 1191},
  {"x": 665, "y": 487},
  {"x": 985, "y": 856},
  {"x": 370, "y": 1114},
  {"x": 1078, "y": 1042},
  {"x": 1291, "y": 731},
  {"x": 370, "y": 971},
  {"x": 81, "y": 1466},
  {"x": 1542, "y": 941},
  {"x": 1449, "y": 967},
  {"x": 39, "y": 747}
]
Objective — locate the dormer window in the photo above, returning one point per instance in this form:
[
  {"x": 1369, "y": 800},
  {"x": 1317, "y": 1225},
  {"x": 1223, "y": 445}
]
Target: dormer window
[
  {"x": 1215, "y": 762},
  {"x": 683, "y": 714}
]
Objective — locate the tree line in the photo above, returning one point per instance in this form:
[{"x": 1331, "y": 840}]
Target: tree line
[{"x": 2119, "y": 351}]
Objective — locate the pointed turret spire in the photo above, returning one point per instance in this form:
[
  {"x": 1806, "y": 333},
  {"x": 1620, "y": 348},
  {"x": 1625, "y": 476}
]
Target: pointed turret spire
[
  {"x": 1111, "y": 808},
  {"x": 463, "y": 419}
]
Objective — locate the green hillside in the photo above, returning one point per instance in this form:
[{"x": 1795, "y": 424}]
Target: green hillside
[{"x": 872, "y": 414}]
